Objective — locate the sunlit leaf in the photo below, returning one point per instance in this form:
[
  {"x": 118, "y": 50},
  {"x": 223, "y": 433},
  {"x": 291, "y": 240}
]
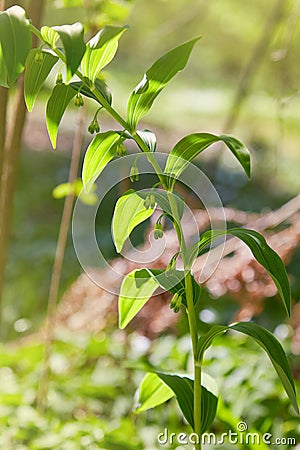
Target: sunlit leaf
[
  {"x": 101, "y": 150},
  {"x": 152, "y": 392},
  {"x": 100, "y": 50},
  {"x": 15, "y": 40},
  {"x": 155, "y": 79},
  {"x": 64, "y": 189},
  {"x": 38, "y": 67},
  {"x": 136, "y": 289},
  {"x": 49, "y": 36},
  {"x": 129, "y": 212},
  {"x": 99, "y": 85},
  {"x": 192, "y": 145},
  {"x": 61, "y": 96},
  {"x": 74, "y": 46}
]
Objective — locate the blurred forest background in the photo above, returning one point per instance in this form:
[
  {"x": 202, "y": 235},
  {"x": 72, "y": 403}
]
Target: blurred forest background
[{"x": 243, "y": 78}]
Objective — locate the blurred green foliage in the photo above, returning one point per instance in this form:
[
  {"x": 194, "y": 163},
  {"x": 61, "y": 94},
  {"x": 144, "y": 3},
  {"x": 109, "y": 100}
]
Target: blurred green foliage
[{"x": 91, "y": 390}]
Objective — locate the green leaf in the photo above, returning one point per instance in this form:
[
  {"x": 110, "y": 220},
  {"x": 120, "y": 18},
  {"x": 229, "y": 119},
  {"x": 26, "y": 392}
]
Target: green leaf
[
  {"x": 267, "y": 341},
  {"x": 61, "y": 96},
  {"x": 155, "y": 79},
  {"x": 269, "y": 259},
  {"x": 74, "y": 46},
  {"x": 36, "y": 74},
  {"x": 173, "y": 282},
  {"x": 152, "y": 392},
  {"x": 275, "y": 352},
  {"x": 99, "y": 86},
  {"x": 192, "y": 145},
  {"x": 129, "y": 212},
  {"x": 100, "y": 50},
  {"x": 147, "y": 136},
  {"x": 264, "y": 254},
  {"x": 101, "y": 150},
  {"x": 206, "y": 340},
  {"x": 15, "y": 40},
  {"x": 183, "y": 387},
  {"x": 136, "y": 289},
  {"x": 76, "y": 189},
  {"x": 3, "y": 71},
  {"x": 49, "y": 36}
]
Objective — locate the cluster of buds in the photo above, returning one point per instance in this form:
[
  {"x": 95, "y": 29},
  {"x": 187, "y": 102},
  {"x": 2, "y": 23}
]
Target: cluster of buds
[
  {"x": 158, "y": 231},
  {"x": 134, "y": 173},
  {"x": 39, "y": 56},
  {"x": 94, "y": 126},
  {"x": 59, "y": 78},
  {"x": 149, "y": 201},
  {"x": 121, "y": 150},
  {"x": 176, "y": 302},
  {"x": 79, "y": 100}
]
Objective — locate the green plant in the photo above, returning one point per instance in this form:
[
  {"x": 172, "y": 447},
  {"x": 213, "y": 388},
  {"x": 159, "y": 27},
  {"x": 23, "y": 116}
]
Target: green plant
[{"x": 196, "y": 399}]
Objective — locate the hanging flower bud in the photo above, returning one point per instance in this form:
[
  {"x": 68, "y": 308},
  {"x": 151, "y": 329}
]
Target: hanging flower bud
[
  {"x": 121, "y": 150},
  {"x": 152, "y": 201},
  {"x": 79, "y": 100},
  {"x": 134, "y": 174},
  {"x": 176, "y": 302},
  {"x": 59, "y": 78},
  {"x": 158, "y": 231},
  {"x": 39, "y": 57},
  {"x": 147, "y": 202},
  {"x": 94, "y": 126}
]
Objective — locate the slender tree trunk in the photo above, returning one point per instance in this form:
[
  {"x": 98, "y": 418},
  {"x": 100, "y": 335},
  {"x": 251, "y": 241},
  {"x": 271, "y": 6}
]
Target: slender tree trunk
[
  {"x": 253, "y": 63},
  {"x": 11, "y": 139},
  {"x": 58, "y": 262}
]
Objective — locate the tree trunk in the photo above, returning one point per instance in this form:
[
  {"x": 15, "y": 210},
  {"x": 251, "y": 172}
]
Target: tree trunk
[{"x": 10, "y": 145}]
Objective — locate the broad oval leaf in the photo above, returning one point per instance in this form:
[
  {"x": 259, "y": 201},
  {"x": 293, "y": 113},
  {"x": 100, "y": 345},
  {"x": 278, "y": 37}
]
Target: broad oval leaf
[
  {"x": 183, "y": 388},
  {"x": 101, "y": 150},
  {"x": 129, "y": 212},
  {"x": 152, "y": 392},
  {"x": 267, "y": 341},
  {"x": 155, "y": 79},
  {"x": 50, "y": 36},
  {"x": 136, "y": 289},
  {"x": 100, "y": 50},
  {"x": 37, "y": 71},
  {"x": 15, "y": 40},
  {"x": 262, "y": 252},
  {"x": 99, "y": 85},
  {"x": 74, "y": 46},
  {"x": 61, "y": 96},
  {"x": 192, "y": 145}
]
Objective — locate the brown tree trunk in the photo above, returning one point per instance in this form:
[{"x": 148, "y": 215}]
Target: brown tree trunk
[{"x": 10, "y": 145}]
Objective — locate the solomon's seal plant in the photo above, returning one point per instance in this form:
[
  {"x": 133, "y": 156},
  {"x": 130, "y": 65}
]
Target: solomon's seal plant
[{"x": 65, "y": 45}]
